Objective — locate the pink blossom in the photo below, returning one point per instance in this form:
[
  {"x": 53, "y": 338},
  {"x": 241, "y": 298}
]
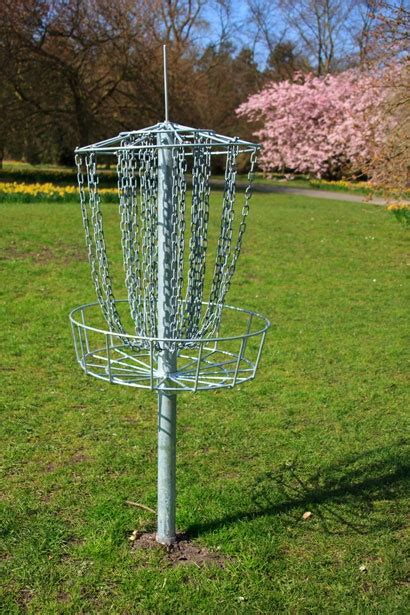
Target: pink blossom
[{"x": 318, "y": 125}]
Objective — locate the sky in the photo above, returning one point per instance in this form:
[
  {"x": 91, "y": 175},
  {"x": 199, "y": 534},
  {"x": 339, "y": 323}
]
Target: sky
[{"x": 242, "y": 34}]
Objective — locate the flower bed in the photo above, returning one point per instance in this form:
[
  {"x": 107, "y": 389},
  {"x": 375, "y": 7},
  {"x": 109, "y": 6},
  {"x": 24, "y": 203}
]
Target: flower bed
[{"x": 29, "y": 193}]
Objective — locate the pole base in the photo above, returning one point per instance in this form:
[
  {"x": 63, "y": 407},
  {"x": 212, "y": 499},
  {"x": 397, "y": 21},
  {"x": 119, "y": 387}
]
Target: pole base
[
  {"x": 167, "y": 418},
  {"x": 167, "y": 541}
]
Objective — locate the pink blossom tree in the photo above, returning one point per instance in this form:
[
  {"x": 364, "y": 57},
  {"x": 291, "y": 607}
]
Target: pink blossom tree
[{"x": 319, "y": 125}]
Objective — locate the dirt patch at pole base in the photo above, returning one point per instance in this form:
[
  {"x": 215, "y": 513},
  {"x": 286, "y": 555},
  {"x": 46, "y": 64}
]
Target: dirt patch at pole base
[{"x": 183, "y": 551}]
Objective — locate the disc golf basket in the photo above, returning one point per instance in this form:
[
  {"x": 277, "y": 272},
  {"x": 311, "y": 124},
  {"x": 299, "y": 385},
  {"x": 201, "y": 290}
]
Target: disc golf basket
[{"x": 173, "y": 332}]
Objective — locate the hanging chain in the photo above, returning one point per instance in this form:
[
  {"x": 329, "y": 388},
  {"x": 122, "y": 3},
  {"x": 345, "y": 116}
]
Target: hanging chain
[
  {"x": 138, "y": 208},
  {"x": 128, "y": 204},
  {"x": 242, "y": 225},
  {"x": 95, "y": 242},
  {"x": 198, "y": 243},
  {"x": 148, "y": 171},
  {"x": 179, "y": 167},
  {"x": 213, "y": 313},
  {"x": 226, "y": 259}
]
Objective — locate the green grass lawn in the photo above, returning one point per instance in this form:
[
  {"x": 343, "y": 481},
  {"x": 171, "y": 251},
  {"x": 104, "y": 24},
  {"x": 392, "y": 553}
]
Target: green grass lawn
[{"x": 321, "y": 429}]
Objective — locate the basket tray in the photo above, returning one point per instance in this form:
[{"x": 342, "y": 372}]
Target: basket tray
[{"x": 201, "y": 364}]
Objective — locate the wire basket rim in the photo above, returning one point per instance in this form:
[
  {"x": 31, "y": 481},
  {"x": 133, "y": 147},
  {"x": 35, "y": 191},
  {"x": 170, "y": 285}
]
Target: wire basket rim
[{"x": 251, "y": 313}]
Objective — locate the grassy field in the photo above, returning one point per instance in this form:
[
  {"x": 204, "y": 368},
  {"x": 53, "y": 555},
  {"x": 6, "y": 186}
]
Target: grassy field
[{"x": 322, "y": 429}]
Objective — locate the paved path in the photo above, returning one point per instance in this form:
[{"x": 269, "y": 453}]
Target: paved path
[{"x": 319, "y": 194}]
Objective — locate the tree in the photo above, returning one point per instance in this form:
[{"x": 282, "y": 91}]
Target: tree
[
  {"x": 225, "y": 80},
  {"x": 328, "y": 34},
  {"x": 76, "y": 71},
  {"x": 284, "y": 62},
  {"x": 321, "y": 26},
  {"x": 325, "y": 126},
  {"x": 262, "y": 24},
  {"x": 388, "y": 48},
  {"x": 63, "y": 61}
]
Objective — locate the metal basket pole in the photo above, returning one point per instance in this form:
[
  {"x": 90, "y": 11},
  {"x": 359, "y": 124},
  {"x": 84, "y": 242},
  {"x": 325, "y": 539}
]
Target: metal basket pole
[
  {"x": 167, "y": 402},
  {"x": 166, "y": 290}
]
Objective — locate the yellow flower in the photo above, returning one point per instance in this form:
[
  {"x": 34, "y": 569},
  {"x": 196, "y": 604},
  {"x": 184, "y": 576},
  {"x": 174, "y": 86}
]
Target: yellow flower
[
  {"x": 46, "y": 190},
  {"x": 398, "y": 207}
]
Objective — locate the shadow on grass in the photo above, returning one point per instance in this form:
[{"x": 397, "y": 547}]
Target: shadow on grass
[{"x": 357, "y": 494}]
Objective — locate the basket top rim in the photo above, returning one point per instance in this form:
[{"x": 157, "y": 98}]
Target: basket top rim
[
  {"x": 263, "y": 326},
  {"x": 181, "y": 136}
]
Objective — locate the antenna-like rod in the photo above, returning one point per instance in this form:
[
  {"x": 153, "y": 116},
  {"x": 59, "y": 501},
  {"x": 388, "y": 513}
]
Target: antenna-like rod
[{"x": 164, "y": 48}]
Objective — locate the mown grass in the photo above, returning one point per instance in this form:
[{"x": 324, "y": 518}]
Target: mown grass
[{"x": 322, "y": 429}]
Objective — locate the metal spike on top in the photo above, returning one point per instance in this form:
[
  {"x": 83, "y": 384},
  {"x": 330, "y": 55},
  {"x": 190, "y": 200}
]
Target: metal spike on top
[{"x": 164, "y": 52}]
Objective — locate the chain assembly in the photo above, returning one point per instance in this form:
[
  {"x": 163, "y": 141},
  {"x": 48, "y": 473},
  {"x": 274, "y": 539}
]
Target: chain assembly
[{"x": 137, "y": 173}]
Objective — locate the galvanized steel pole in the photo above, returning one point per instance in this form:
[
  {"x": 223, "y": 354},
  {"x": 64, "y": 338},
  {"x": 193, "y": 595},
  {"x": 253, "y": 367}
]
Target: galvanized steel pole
[{"x": 167, "y": 404}]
